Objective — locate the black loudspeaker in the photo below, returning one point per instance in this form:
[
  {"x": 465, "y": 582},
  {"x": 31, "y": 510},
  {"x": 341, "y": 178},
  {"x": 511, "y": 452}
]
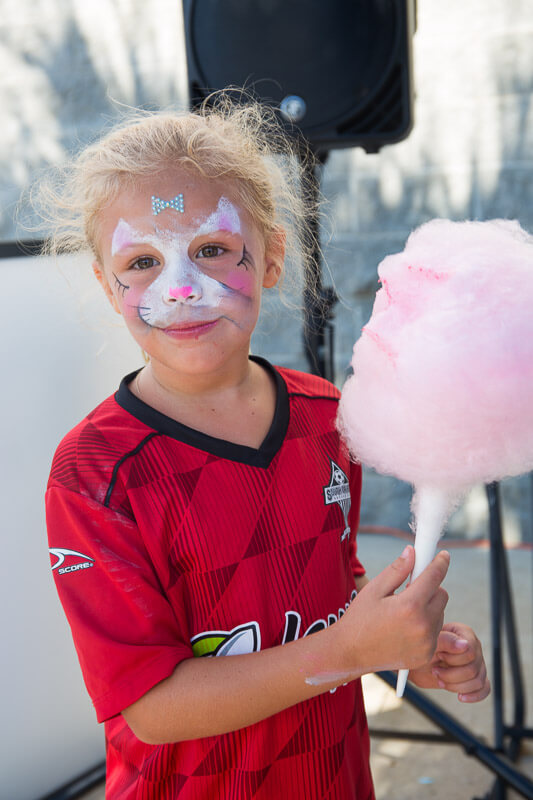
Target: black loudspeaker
[{"x": 338, "y": 71}]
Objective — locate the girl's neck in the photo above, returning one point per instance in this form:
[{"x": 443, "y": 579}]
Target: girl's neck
[
  {"x": 156, "y": 380},
  {"x": 237, "y": 408}
]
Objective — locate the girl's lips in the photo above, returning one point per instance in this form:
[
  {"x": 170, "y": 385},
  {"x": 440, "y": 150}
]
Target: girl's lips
[{"x": 190, "y": 329}]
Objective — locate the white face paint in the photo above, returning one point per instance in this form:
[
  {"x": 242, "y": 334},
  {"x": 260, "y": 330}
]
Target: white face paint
[
  {"x": 225, "y": 218},
  {"x": 180, "y": 289}
]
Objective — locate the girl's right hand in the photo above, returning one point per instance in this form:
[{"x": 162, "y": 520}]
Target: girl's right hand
[{"x": 383, "y": 630}]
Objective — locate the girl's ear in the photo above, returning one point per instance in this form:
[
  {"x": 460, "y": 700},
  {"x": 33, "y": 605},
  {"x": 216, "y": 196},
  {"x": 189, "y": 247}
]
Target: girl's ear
[
  {"x": 274, "y": 257},
  {"x": 104, "y": 283}
]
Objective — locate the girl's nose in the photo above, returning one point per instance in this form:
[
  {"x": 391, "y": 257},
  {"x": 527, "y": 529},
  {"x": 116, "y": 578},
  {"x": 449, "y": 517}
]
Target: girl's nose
[{"x": 182, "y": 294}]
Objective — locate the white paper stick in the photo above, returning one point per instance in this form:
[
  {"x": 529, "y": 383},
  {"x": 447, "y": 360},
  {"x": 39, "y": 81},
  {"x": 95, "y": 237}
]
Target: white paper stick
[{"x": 431, "y": 508}]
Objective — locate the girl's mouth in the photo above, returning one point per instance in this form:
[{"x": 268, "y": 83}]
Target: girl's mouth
[{"x": 190, "y": 329}]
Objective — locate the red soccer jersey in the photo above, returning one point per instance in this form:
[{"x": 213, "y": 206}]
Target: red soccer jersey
[{"x": 169, "y": 544}]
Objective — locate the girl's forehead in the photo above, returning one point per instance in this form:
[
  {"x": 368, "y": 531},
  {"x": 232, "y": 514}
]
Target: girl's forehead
[
  {"x": 186, "y": 193},
  {"x": 179, "y": 201},
  {"x": 128, "y": 231}
]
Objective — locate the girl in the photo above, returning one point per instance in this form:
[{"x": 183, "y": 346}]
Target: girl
[{"x": 203, "y": 511}]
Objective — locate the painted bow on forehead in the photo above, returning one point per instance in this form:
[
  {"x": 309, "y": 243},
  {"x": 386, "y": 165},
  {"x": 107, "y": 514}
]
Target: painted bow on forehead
[{"x": 159, "y": 205}]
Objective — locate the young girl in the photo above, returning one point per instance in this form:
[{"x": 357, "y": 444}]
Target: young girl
[{"x": 203, "y": 511}]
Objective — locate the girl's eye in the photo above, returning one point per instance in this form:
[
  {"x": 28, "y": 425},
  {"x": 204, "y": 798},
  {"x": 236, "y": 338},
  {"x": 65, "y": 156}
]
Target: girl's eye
[
  {"x": 145, "y": 262},
  {"x": 210, "y": 251}
]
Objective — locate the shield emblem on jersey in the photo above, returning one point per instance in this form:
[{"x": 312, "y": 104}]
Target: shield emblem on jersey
[{"x": 338, "y": 491}]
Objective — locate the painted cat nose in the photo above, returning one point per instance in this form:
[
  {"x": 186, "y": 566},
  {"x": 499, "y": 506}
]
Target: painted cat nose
[{"x": 183, "y": 294}]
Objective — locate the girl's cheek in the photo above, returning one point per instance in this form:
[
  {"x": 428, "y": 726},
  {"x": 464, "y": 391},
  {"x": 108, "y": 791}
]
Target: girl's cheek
[
  {"x": 131, "y": 303},
  {"x": 240, "y": 282}
]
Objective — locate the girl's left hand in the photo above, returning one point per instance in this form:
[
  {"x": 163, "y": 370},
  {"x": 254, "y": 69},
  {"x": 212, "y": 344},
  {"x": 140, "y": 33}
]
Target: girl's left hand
[{"x": 457, "y": 666}]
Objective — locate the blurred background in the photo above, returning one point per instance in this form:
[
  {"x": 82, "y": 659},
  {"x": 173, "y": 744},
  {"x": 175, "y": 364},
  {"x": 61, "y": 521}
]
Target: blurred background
[{"x": 67, "y": 68}]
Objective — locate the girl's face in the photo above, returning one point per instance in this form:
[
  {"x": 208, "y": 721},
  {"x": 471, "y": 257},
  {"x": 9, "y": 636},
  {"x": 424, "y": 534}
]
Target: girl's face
[{"x": 185, "y": 265}]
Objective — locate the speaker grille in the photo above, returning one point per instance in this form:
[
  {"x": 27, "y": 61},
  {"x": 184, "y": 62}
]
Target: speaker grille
[{"x": 349, "y": 60}]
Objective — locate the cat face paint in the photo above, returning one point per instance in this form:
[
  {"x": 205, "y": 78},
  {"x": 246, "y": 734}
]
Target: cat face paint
[
  {"x": 180, "y": 287},
  {"x": 197, "y": 270},
  {"x": 192, "y": 278}
]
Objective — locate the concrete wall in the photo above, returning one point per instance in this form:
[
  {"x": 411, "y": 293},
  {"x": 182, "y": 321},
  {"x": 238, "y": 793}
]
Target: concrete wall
[{"x": 66, "y": 65}]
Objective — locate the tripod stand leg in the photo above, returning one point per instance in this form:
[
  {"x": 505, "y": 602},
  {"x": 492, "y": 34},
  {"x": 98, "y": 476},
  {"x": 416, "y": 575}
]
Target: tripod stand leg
[{"x": 502, "y": 610}]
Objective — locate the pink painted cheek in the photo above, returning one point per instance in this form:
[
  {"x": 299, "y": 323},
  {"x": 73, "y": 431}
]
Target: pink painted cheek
[
  {"x": 240, "y": 282},
  {"x": 130, "y": 303}
]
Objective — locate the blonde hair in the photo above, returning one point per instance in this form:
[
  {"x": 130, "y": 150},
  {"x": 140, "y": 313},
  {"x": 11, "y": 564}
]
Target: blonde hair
[{"x": 241, "y": 143}]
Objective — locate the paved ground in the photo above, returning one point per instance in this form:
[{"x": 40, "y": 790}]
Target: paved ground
[{"x": 404, "y": 770}]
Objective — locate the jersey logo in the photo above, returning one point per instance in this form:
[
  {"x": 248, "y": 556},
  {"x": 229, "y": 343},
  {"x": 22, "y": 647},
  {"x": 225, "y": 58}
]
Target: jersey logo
[
  {"x": 338, "y": 491},
  {"x": 61, "y": 553},
  {"x": 237, "y": 642}
]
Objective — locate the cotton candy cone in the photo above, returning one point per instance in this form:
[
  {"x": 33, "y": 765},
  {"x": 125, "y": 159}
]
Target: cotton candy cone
[
  {"x": 442, "y": 385},
  {"x": 431, "y": 509}
]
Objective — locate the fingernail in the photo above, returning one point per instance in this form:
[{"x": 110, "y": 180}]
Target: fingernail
[
  {"x": 461, "y": 643},
  {"x": 405, "y": 553}
]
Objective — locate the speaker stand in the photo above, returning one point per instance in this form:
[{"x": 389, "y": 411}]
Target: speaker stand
[{"x": 318, "y": 330}]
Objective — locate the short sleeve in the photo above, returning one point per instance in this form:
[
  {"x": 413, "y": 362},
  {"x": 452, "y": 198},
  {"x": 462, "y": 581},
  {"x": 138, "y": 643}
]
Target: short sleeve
[
  {"x": 126, "y": 634},
  {"x": 353, "y": 518}
]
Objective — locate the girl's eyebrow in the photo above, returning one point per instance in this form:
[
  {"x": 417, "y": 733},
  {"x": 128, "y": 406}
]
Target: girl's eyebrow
[
  {"x": 126, "y": 237},
  {"x": 123, "y": 246},
  {"x": 204, "y": 231}
]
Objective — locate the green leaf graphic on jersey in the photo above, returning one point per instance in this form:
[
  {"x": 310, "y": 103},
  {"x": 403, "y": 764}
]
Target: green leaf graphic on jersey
[{"x": 241, "y": 640}]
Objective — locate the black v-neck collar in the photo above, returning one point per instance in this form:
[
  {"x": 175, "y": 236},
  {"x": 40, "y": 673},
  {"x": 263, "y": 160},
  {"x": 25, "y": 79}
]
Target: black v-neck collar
[{"x": 159, "y": 422}]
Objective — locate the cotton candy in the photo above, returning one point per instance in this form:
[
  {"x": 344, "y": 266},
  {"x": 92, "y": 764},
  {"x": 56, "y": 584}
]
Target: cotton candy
[{"x": 442, "y": 389}]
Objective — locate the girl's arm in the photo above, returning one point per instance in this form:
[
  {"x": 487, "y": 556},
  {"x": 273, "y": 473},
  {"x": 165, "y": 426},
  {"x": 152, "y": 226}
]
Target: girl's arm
[{"x": 380, "y": 630}]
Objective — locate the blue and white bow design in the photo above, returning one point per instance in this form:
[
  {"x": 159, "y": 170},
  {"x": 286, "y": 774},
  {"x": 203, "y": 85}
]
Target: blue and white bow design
[{"x": 159, "y": 205}]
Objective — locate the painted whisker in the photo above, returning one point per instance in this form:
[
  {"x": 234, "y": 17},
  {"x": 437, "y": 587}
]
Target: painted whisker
[{"x": 140, "y": 309}]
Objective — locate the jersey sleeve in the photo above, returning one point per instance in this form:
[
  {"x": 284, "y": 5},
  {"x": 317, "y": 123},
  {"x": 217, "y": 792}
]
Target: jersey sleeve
[
  {"x": 126, "y": 634},
  {"x": 353, "y": 518}
]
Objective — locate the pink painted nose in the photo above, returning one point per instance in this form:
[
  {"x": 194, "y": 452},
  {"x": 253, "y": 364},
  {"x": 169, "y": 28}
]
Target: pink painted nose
[{"x": 180, "y": 291}]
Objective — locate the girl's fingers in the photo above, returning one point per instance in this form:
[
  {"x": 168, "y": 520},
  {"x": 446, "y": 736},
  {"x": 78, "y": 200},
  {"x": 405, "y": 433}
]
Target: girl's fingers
[
  {"x": 475, "y": 697},
  {"x": 448, "y": 660},
  {"x": 428, "y": 582},
  {"x": 462, "y": 681},
  {"x": 450, "y": 642}
]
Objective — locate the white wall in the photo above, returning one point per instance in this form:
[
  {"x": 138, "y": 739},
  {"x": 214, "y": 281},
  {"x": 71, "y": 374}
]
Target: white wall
[{"x": 61, "y": 352}]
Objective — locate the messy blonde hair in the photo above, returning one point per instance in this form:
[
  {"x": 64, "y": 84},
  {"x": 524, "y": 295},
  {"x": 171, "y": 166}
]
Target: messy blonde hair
[{"x": 241, "y": 143}]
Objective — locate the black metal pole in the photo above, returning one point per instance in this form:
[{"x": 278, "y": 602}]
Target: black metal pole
[
  {"x": 79, "y": 785},
  {"x": 517, "y": 730},
  {"x": 495, "y": 535},
  {"x": 318, "y": 329}
]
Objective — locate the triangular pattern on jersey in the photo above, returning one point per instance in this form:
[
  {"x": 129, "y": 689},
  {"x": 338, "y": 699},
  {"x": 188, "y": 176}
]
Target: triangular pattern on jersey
[{"x": 200, "y": 538}]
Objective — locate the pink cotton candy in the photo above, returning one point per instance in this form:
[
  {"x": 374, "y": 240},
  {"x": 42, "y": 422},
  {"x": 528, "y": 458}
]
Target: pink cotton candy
[{"x": 442, "y": 391}]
